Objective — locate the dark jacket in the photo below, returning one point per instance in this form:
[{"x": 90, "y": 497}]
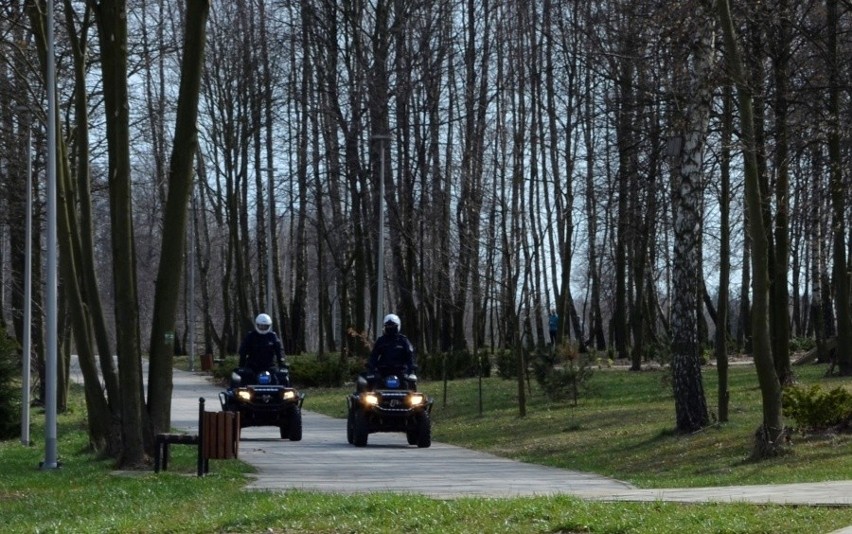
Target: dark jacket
[
  {"x": 259, "y": 352},
  {"x": 392, "y": 352}
]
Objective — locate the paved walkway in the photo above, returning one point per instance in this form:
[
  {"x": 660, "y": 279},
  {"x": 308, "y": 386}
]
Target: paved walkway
[{"x": 324, "y": 461}]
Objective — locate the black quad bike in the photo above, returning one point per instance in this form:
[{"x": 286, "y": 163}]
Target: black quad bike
[
  {"x": 388, "y": 403},
  {"x": 265, "y": 399}
]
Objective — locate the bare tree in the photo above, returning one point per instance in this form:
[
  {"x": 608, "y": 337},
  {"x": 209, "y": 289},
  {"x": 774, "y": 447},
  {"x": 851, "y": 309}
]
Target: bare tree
[
  {"x": 180, "y": 180},
  {"x": 721, "y": 338},
  {"x": 780, "y": 52},
  {"x": 768, "y": 438},
  {"x": 693, "y": 91},
  {"x": 840, "y": 274},
  {"x": 111, "y": 19}
]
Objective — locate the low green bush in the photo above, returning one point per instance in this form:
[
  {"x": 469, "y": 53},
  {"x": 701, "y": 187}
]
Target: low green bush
[
  {"x": 331, "y": 371},
  {"x": 814, "y": 408},
  {"x": 562, "y": 373},
  {"x": 456, "y": 364},
  {"x": 10, "y": 387},
  {"x": 306, "y": 370},
  {"x": 507, "y": 363},
  {"x": 802, "y": 344},
  {"x": 222, "y": 372}
]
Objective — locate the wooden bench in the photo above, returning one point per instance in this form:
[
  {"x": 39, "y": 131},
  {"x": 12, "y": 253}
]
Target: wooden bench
[{"x": 218, "y": 438}]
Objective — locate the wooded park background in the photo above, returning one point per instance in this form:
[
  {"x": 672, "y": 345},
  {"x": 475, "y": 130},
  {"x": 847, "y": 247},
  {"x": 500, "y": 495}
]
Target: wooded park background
[{"x": 669, "y": 177}]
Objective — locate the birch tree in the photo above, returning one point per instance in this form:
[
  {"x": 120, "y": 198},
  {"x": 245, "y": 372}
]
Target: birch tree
[{"x": 692, "y": 101}]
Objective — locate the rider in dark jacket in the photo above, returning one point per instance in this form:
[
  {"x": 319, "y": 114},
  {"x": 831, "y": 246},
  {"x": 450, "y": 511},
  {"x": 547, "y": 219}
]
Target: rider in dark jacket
[
  {"x": 261, "y": 348},
  {"x": 393, "y": 352}
]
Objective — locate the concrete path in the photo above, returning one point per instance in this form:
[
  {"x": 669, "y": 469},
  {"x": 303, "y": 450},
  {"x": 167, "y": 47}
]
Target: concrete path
[{"x": 324, "y": 461}]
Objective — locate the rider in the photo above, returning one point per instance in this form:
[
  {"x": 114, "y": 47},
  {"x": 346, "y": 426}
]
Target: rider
[
  {"x": 261, "y": 350},
  {"x": 392, "y": 352}
]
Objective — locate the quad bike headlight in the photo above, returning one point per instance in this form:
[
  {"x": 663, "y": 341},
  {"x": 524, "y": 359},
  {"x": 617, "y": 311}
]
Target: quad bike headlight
[
  {"x": 244, "y": 395},
  {"x": 371, "y": 399},
  {"x": 415, "y": 399},
  {"x": 288, "y": 394}
]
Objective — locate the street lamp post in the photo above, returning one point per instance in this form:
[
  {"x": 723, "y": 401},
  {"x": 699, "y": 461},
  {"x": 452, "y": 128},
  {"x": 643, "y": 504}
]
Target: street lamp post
[
  {"x": 269, "y": 241},
  {"x": 191, "y": 281},
  {"x": 28, "y": 292},
  {"x": 51, "y": 338},
  {"x": 380, "y": 254}
]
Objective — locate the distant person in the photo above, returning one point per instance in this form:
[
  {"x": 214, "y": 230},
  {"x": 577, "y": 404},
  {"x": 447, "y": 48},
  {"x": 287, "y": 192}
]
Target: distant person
[
  {"x": 553, "y": 323},
  {"x": 261, "y": 350}
]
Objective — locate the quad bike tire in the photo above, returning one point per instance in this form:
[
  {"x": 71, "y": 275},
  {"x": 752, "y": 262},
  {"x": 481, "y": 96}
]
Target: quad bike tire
[
  {"x": 424, "y": 431},
  {"x": 292, "y": 430},
  {"x": 360, "y": 430}
]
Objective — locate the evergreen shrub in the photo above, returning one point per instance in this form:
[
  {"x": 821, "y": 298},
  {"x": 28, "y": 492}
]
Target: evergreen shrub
[
  {"x": 815, "y": 409},
  {"x": 562, "y": 373},
  {"x": 10, "y": 388}
]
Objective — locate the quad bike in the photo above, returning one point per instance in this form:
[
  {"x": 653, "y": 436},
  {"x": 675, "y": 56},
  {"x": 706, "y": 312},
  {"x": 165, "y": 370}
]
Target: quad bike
[
  {"x": 265, "y": 399},
  {"x": 388, "y": 403}
]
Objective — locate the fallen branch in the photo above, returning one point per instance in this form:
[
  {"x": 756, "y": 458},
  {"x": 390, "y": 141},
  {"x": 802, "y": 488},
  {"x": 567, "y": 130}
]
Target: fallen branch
[{"x": 811, "y": 355}]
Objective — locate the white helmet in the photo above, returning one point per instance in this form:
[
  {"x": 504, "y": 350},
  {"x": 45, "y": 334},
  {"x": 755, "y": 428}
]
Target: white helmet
[
  {"x": 263, "y": 323},
  {"x": 392, "y": 323}
]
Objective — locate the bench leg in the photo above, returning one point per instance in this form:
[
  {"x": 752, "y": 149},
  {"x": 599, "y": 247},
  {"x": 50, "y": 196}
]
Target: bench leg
[
  {"x": 157, "y": 452},
  {"x": 200, "y": 460},
  {"x": 161, "y": 454},
  {"x": 165, "y": 455}
]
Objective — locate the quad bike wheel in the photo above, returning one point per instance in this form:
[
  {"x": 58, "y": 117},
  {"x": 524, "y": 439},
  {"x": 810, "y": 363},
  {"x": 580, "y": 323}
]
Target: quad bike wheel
[
  {"x": 360, "y": 430},
  {"x": 424, "y": 431},
  {"x": 292, "y": 429},
  {"x": 295, "y": 433}
]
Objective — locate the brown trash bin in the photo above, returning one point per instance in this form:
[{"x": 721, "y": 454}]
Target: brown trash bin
[
  {"x": 221, "y": 439},
  {"x": 206, "y": 362}
]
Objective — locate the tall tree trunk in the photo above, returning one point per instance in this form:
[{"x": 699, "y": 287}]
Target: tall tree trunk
[
  {"x": 695, "y": 101},
  {"x": 89, "y": 285},
  {"x": 16, "y": 201},
  {"x": 818, "y": 274},
  {"x": 71, "y": 243},
  {"x": 298, "y": 308},
  {"x": 167, "y": 288},
  {"x": 780, "y": 303},
  {"x": 626, "y": 149},
  {"x": 468, "y": 213},
  {"x": 98, "y": 409},
  {"x": 721, "y": 345},
  {"x": 840, "y": 274},
  {"x": 79, "y": 288},
  {"x": 111, "y": 17},
  {"x": 768, "y": 438},
  {"x": 596, "y": 330}
]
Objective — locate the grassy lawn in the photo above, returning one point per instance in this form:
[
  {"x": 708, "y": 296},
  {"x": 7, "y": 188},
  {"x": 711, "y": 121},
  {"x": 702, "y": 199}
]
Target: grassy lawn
[{"x": 622, "y": 427}]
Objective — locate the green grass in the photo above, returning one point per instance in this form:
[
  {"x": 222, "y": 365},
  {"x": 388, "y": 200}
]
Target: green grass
[{"x": 623, "y": 428}]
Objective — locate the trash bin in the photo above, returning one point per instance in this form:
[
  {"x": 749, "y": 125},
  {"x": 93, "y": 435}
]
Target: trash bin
[
  {"x": 206, "y": 362},
  {"x": 221, "y": 435}
]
